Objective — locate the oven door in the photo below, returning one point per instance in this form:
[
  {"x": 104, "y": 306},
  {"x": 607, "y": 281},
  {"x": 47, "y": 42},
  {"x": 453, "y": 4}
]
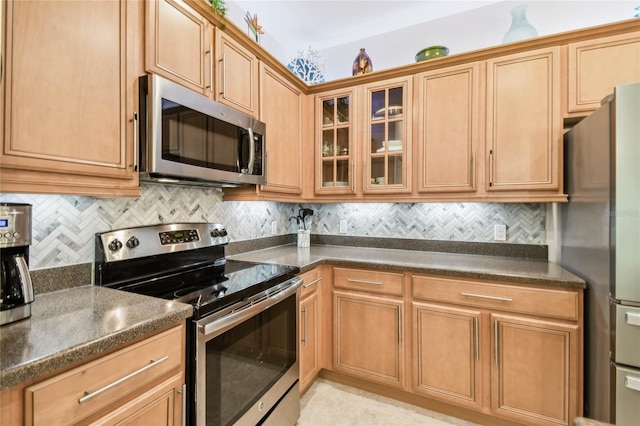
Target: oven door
[{"x": 247, "y": 360}]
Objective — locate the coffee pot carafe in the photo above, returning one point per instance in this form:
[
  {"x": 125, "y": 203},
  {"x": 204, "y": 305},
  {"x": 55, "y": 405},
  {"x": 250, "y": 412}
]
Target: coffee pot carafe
[{"x": 16, "y": 288}]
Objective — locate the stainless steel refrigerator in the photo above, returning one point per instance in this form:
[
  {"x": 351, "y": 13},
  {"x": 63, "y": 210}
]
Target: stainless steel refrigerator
[{"x": 600, "y": 242}]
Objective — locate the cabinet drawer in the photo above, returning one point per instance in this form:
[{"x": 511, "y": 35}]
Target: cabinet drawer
[
  {"x": 78, "y": 393},
  {"x": 311, "y": 280},
  {"x": 369, "y": 281},
  {"x": 530, "y": 300}
]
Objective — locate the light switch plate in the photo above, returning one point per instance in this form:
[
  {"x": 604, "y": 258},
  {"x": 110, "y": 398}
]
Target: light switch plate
[{"x": 343, "y": 226}]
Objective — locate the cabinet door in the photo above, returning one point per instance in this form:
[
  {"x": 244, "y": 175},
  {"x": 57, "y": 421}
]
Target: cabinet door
[
  {"x": 524, "y": 128},
  {"x": 309, "y": 335},
  {"x": 368, "y": 339},
  {"x": 448, "y": 128},
  {"x": 69, "y": 121},
  {"x": 281, "y": 111},
  {"x": 335, "y": 149},
  {"x": 237, "y": 75},
  {"x": 597, "y": 66},
  {"x": 387, "y": 137},
  {"x": 160, "y": 406},
  {"x": 446, "y": 354},
  {"x": 179, "y": 44},
  {"x": 535, "y": 370}
]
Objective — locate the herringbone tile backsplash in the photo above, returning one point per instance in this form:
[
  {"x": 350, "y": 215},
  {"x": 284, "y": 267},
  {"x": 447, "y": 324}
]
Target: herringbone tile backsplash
[{"x": 64, "y": 226}]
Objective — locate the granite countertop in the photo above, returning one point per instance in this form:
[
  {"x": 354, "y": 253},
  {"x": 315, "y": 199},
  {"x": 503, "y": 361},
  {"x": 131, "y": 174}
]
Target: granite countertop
[
  {"x": 514, "y": 270},
  {"x": 69, "y": 325}
]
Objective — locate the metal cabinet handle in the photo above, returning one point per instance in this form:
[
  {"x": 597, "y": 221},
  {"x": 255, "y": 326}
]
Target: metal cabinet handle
[
  {"x": 491, "y": 167},
  {"x": 477, "y": 338},
  {"x": 495, "y": 341},
  {"x": 484, "y": 296},
  {"x": 473, "y": 170},
  {"x": 135, "y": 141},
  {"x": 88, "y": 394},
  {"x": 223, "y": 63},
  {"x": 210, "y": 53},
  {"x": 353, "y": 280},
  {"x": 304, "y": 336},
  {"x": 353, "y": 177},
  {"x": 399, "y": 325},
  {"x": 312, "y": 283},
  {"x": 183, "y": 392}
]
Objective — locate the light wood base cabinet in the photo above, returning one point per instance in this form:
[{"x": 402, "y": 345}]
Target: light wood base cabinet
[
  {"x": 310, "y": 341},
  {"x": 70, "y": 97},
  {"x": 535, "y": 370},
  {"x": 368, "y": 337},
  {"x": 512, "y": 351},
  {"x": 446, "y": 354},
  {"x": 140, "y": 384}
]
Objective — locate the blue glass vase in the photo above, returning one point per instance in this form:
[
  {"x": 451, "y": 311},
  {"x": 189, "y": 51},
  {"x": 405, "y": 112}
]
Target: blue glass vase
[{"x": 520, "y": 29}]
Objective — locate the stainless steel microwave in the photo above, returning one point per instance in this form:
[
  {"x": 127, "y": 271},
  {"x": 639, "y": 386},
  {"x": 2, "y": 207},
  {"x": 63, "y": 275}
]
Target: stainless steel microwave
[{"x": 187, "y": 138}]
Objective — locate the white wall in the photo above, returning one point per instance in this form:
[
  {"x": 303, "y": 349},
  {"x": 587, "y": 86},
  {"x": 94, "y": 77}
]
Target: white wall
[{"x": 467, "y": 31}]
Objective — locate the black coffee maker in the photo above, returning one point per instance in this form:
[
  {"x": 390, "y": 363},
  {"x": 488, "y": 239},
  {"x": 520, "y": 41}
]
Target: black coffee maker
[{"x": 16, "y": 289}]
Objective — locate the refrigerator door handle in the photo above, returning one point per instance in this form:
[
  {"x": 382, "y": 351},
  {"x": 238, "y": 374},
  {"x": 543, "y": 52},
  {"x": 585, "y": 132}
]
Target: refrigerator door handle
[
  {"x": 632, "y": 383},
  {"x": 632, "y": 319}
]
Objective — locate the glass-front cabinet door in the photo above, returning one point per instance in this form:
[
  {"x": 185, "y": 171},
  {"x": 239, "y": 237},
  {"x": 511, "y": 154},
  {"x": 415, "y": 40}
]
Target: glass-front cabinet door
[
  {"x": 335, "y": 146},
  {"x": 387, "y": 140}
]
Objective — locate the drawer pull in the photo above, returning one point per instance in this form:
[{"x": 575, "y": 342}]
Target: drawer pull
[
  {"x": 88, "y": 394},
  {"x": 353, "y": 280},
  {"x": 312, "y": 283},
  {"x": 484, "y": 296},
  {"x": 632, "y": 319},
  {"x": 632, "y": 383}
]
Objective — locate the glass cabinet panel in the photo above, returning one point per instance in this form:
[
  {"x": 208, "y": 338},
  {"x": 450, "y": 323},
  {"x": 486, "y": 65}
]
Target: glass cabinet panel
[
  {"x": 387, "y": 144},
  {"x": 335, "y": 145}
]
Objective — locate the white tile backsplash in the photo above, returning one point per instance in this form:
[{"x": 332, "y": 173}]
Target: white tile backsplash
[{"x": 64, "y": 225}]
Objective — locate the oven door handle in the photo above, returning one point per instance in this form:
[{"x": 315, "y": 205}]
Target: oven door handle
[{"x": 244, "y": 311}]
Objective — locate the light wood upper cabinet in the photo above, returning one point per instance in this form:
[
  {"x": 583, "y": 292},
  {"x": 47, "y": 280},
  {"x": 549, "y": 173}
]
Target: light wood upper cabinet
[
  {"x": 535, "y": 372},
  {"x": 386, "y": 144},
  {"x": 237, "y": 74},
  {"x": 523, "y": 122},
  {"x": 449, "y": 113},
  {"x": 70, "y": 86},
  {"x": 281, "y": 105},
  {"x": 179, "y": 45},
  {"x": 597, "y": 66},
  {"x": 335, "y": 149},
  {"x": 446, "y": 354}
]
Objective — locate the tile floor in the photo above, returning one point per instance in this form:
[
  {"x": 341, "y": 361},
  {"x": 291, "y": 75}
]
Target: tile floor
[{"x": 328, "y": 403}]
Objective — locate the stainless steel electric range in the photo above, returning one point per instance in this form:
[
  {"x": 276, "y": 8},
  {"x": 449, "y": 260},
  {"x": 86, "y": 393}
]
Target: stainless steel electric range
[{"x": 242, "y": 350}]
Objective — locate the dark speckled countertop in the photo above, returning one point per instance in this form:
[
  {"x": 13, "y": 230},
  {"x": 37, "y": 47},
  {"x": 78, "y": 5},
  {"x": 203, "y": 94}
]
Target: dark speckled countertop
[
  {"x": 69, "y": 325},
  {"x": 515, "y": 270}
]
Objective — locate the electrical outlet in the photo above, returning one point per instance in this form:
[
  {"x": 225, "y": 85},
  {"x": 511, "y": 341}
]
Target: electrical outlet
[
  {"x": 500, "y": 232},
  {"x": 274, "y": 227},
  {"x": 343, "y": 226}
]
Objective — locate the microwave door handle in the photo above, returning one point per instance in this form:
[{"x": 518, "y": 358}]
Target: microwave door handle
[{"x": 252, "y": 153}]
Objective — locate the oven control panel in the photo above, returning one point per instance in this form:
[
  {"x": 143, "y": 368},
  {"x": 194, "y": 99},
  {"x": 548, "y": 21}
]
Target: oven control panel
[
  {"x": 153, "y": 240},
  {"x": 177, "y": 237}
]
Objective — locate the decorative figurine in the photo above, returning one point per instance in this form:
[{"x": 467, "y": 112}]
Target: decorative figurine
[
  {"x": 362, "y": 64},
  {"x": 254, "y": 27}
]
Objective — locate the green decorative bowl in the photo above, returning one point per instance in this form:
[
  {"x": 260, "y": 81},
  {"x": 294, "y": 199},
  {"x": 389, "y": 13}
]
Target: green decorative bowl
[{"x": 431, "y": 52}]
